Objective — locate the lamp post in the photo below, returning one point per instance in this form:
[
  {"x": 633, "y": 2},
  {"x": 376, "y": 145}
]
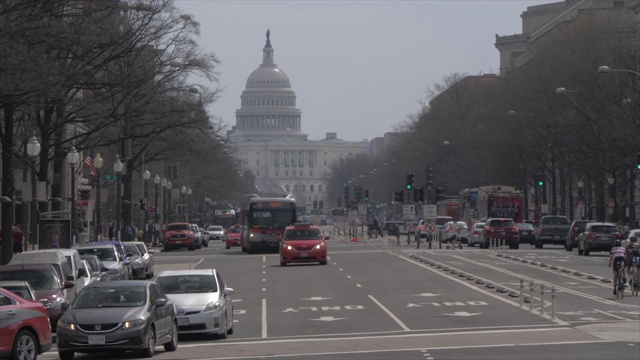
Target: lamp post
[
  {"x": 146, "y": 176},
  {"x": 163, "y": 182},
  {"x": 97, "y": 163},
  {"x": 612, "y": 199},
  {"x": 156, "y": 181},
  {"x": 117, "y": 168},
  {"x": 169, "y": 201},
  {"x": 72, "y": 159},
  {"x": 189, "y": 205},
  {"x": 183, "y": 190},
  {"x": 581, "y": 202},
  {"x": 33, "y": 150}
]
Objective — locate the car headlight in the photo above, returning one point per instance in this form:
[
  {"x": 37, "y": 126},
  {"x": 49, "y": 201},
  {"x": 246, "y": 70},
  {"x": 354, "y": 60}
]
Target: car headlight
[
  {"x": 213, "y": 306},
  {"x": 133, "y": 323},
  {"x": 319, "y": 246},
  {"x": 288, "y": 247},
  {"x": 67, "y": 325}
]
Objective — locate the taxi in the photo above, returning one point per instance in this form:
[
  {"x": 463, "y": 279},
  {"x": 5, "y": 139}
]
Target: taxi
[{"x": 303, "y": 243}]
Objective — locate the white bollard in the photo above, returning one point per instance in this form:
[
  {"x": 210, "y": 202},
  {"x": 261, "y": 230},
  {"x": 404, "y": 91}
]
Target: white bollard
[
  {"x": 542, "y": 299},
  {"x": 531, "y": 295}
]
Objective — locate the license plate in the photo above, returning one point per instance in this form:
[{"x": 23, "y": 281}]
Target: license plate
[
  {"x": 304, "y": 255},
  {"x": 96, "y": 340},
  {"x": 178, "y": 242},
  {"x": 503, "y": 232},
  {"x": 183, "y": 321},
  {"x": 525, "y": 233}
]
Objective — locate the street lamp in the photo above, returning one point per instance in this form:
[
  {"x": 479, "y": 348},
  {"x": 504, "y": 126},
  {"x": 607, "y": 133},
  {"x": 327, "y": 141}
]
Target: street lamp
[
  {"x": 33, "y": 150},
  {"x": 98, "y": 162},
  {"x": 117, "y": 168},
  {"x": 184, "y": 198},
  {"x": 189, "y": 205},
  {"x": 605, "y": 70},
  {"x": 156, "y": 180},
  {"x": 146, "y": 176},
  {"x": 169, "y": 184},
  {"x": 612, "y": 196},
  {"x": 72, "y": 159}
]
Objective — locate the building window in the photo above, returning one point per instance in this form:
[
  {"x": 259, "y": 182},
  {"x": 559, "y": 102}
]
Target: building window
[
  {"x": 304, "y": 187},
  {"x": 257, "y": 173},
  {"x": 295, "y": 188},
  {"x": 277, "y": 172},
  {"x": 286, "y": 187},
  {"x": 310, "y": 172},
  {"x": 257, "y": 162},
  {"x": 320, "y": 188},
  {"x": 311, "y": 188},
  {"x": 286, "y": 173}
]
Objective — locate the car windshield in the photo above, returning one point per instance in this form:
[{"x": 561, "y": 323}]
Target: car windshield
[
  {"x": 442, "y": 221},
  {"x": 141, "y": 248},
  {"x": 604, "y": 229},
  {"x": 501, "y": 222},
  {"x": 131, "y": 248},
  {"x": 93, "y": 262},
  {"x": 306, "y": 234},
  {"x": 524, "y": 226},
  {"x": 101, "y": 297},
  {"x": 104, "y": 254},
  {"x": 178, "y": 227},
  {"x": 214, "y": 228},
  {"x": 38, "y": 279},
  {"x": 234, "y": 230},
  {"x": 19, "y": 290},
  {"x": 183, "y": 284}
]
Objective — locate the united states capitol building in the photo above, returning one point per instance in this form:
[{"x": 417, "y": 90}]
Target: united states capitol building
[{"x": 268, "y": 139}]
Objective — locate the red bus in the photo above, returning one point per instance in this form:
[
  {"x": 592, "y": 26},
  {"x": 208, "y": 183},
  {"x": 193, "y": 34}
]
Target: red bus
[{"x": 264, "y": 221}]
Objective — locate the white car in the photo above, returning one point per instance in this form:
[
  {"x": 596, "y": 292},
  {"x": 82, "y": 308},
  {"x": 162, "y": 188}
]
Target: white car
[
  {"x": 200, "y": 242},
  {"x": 202, "y": 301},
  {"x": 455, "y": 229},
  {"x": 475, "y": 234},
  {"x": 215, "y": 233}
]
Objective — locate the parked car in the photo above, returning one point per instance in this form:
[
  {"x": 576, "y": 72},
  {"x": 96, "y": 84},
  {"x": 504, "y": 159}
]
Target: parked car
[
  {"x": 132, "y": 315},
  {"x": 110, "y": 257},
  {"x": 475, "y": 234},
  {"x": 147, "y": 258},
  {"x": 25, "y": 330},
  {"x": 527, "y": 233},
  {"x": 56, "y": 258},
  {"x": 135, "y": 257},
  {"x": 98, "y": 269},
  {"x": 303, "y": 243},
  {"x": 200, "y": 241},
  {"x": 232, "y": 236},
  {"x": 77, "y": 271},
  {"x": 122, "y": 252},
  {"x": 21, "y": 288},
  {"x": 575, "y": 229},
  {"x": 215, "y": 232},
  {"x": 46, "y": 283},
  {"x": 202, "y": 300},
  {"x": 177, "y": 236},
  {"x": 500, "y": 229},
  {"x": 597, "y": 236}
]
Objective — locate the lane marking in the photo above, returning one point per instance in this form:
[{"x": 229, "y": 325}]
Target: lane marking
[
  {"x": 391, "y": 315},
  {"x": 613, "y": 316},
  {"x": 264, "y": 318}
]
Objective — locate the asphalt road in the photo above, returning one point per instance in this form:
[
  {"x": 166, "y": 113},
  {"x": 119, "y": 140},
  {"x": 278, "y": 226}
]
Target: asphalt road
[{"x": 376, "y": 301}]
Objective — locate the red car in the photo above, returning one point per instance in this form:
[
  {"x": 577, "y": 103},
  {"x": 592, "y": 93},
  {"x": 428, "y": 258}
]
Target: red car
[
  {"x": 25, "y": 331},
  {"x": 178, "y": 235},
  {"x": 303, "y": 243},
  {"x": 232, "y": 236},
  {"x": 501, "y": 230}
]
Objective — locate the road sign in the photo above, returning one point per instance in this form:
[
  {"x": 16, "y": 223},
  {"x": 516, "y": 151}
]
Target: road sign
[
  {"x": 82, "y": 204},
  {"x": 109, "y": 178},
  {"x": 429, "y": 228},
  {"x": 430, "y": 212},
  {"x": 408, "y": 211}
]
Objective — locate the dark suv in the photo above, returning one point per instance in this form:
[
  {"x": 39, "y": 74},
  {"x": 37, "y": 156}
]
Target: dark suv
[
  {"x": 500, "y": 229},
  {"x": 597, "y": 236},
  {"x": 576, "y": 228}
]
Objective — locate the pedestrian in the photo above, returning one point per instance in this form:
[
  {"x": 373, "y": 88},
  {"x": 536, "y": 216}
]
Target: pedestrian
[
  {"x": 130, "y": 232},
  {"x": 111, "y": 230},
  {"x": 18, "y": 239},
  {"x": 149, "y": 232}
]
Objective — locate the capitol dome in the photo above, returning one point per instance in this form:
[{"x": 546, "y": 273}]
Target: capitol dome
[{"x": 268, "y": 76}]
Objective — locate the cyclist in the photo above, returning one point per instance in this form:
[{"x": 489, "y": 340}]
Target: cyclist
[
  {"x": 632, "y": 249},
  {"x": 618, "y": 258}
]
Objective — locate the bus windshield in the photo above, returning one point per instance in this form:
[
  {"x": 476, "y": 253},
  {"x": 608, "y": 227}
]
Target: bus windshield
[{"x": 271, "y": 219}]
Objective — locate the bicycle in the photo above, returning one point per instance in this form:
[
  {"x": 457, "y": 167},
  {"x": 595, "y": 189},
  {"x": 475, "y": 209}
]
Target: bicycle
[{"x": 633, "y": 282}]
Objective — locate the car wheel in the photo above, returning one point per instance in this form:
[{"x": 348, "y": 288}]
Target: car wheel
[
  {"x": 24, "y": 346},
  {"x": 282, "y": 263},
  {"x": 227, "y": 247},
  {"x": 165, "y": 248},
  {"x": 65, "y": 355},
  {"x": 172, "y": 345},
  {"x": 223, "y": 334},
  {"x": 230, "y": 331},
  {"x": 580, "y": 251},
  {"x": 150, "y": 349},
  {"x": 323, "y": 263},
  {"x": 192, "y": 248},
  {"x": 516, "y": 246},
  {"x": 586, "y": 252}
]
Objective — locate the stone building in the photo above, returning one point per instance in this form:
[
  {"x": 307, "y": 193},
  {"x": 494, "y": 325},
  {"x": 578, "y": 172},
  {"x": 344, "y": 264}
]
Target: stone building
[{"x": 268, "y": 139}]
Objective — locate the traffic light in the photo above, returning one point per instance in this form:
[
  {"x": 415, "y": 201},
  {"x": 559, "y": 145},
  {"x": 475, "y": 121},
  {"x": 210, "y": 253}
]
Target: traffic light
[
  {"x": 638, "y": 160},
  {"x": 410, "y": 177},
  {"x": 429, "y": 177},
  {"x": 366, "y": 196},
  {"x": 421, "y": 194},
  {"x": 339, "y": 201},
  {"x": 441, "y": 194},
  {"x": 142, "y": 204},
  {"x": 398, "y": 196},
  {"x": 346, "y": 194},
  {"x": 539, "y": 179}
]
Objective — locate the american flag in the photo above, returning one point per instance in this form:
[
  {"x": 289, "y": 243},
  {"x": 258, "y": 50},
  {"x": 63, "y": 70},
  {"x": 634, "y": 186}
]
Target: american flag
[{"x": 88, "y": 160}]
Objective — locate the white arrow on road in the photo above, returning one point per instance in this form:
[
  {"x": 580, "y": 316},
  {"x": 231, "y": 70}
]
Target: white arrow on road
[
  {"x": 316, "y": 298},
  {"x": 327, "y": 318},
  {"x": 427, "y": 294},
  {"x": 463, "y": 313}
]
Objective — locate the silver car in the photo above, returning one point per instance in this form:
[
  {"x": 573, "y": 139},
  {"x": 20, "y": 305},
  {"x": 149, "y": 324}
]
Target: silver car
[
  {"x": 138, "y": 270},
  {"x": 130, "y": 315},
  {"x": 202, "y": 300},
  {"x": 146, "y": 255},
  {"x": 215, "y": 233},
  {"x": 110, "y": 257}
]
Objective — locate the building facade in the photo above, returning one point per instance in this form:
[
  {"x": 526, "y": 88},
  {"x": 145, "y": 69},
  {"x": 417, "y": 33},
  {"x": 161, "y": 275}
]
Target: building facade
[{"x": 268, "y": 139}]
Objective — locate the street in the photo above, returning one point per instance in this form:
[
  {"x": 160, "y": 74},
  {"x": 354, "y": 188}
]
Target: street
[{"x": 370, "y": 302}]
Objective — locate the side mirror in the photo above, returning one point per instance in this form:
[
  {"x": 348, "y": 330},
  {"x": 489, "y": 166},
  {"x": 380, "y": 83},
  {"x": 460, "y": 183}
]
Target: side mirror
[
  {"x": 129, "y": 254},
  {"x": 228, "y": 291},
  {"x": 64, "y": 306},
  {"x": 104, "y": 269},
  {"x": 327, "y": 237},
  {"x": 161, "y": 302},
  {"x": 95, "y": 274},
  {"x": 82, "y": 272},
  {"x": 68, "y": 284},
  {"x": 127, "y": 262}
]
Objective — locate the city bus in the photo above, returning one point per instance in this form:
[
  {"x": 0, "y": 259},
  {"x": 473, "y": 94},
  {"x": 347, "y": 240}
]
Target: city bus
[
  {"x": 225, "y": 218},
  {"x": 264, "y": 221}
]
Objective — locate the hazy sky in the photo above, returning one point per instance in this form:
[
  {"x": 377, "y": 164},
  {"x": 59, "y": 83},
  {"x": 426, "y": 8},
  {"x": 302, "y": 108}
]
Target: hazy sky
[{"x": 357, "y": 67}]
